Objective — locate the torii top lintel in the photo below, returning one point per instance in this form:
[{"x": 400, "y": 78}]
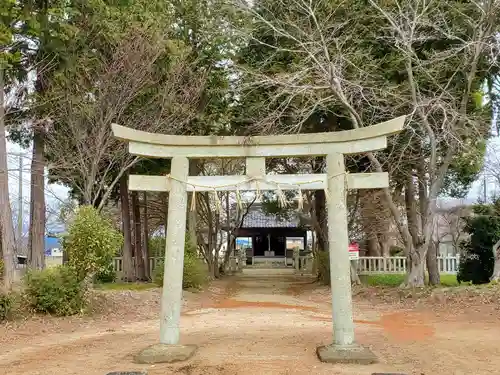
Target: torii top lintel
[{"x": 370, "y": 138}]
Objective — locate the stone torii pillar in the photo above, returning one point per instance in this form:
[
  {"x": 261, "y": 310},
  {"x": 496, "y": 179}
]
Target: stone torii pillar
[{"x": 335, "y": 183}]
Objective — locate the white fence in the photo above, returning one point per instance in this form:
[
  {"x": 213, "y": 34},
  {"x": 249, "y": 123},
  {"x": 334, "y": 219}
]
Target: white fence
[
  {"x": 371, "y": 265},
  {"x": 366, "y": 265},
  {"x": 118, "y": 263}
]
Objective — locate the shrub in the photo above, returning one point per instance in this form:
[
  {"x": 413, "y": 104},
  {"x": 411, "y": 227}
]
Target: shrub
[
  {"x": 156, "y": 246},
  {"x": 56, "y": 290},
  {"x": 1, "y": 268},
  {"x": 477, "y": 259},
  {"x": 195, "y": 271},
  {"x": 158, "y": 273},
  {"x": 396, "y": 251},
  {"x": 107, "y": 274},
  {"x": 91, "y": 242},
  {"x": 194, "y": 275},
  {"x": 6, "y": 305}
]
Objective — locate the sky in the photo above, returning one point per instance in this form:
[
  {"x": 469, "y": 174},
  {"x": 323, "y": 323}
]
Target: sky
[
  {"x": 492, "y": 189},
  {"x": 55, "y": 194}
]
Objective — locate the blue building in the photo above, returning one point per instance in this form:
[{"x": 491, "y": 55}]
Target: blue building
[{"x": 53, "y": 245}]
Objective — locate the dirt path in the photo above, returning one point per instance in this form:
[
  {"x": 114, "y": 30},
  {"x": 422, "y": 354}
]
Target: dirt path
[{"x": 257, "y": 326}]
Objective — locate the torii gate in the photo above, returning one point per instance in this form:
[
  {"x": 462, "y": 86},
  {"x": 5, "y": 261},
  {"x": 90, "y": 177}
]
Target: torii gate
[{"x": 333, "y": 145}]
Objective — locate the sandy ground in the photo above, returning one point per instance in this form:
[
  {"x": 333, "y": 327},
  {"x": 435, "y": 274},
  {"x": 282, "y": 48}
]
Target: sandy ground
[{"x": 257, "y": 325}]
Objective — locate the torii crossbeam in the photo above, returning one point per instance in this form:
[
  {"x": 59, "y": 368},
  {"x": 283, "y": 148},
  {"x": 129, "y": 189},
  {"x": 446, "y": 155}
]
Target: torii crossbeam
[{"x": 333, "y": 145}]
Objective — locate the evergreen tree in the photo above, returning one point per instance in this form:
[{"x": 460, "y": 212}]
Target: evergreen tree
[
  {"x": 477, "y": 259},
  {"x": 335, "y": 65}
]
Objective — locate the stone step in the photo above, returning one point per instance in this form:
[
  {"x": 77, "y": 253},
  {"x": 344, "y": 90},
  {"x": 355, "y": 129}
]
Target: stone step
[
  {"x": 268, "y": 271},
  {"x": 267, "y": 265}
]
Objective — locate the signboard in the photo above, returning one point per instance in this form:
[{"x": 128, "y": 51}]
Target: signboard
[{"x": 353, "y": 251}]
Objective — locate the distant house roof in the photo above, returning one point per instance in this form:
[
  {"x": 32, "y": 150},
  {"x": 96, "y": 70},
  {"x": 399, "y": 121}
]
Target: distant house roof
[{"x": 447, "y": 204}]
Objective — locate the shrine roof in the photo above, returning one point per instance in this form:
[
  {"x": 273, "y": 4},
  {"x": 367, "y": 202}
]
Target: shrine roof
[{"x": 258, "y": 218}]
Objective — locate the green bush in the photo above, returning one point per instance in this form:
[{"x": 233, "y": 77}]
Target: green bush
[
  {"x": 156, "y": 246},
  {"x": 91, "y": 242},
  {"x": 107, "y": 274},
  {"x": 477, "y": 260},
  {"x": 56, "y": 290},
  {"x": 194, "y": 275},
  {"x": 6, "y": 305},
  {"x": 396, "y": 251},
  {"x": 195, "y": 271},
  {"x": 158, "y": 273}
]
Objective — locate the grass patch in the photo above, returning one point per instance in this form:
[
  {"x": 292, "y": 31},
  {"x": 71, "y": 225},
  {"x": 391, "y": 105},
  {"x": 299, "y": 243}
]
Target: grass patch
[
  {"x": 126, "y": 286},
  {"x": 449, "y": 280},
  {"x": 396, "y": 279}
]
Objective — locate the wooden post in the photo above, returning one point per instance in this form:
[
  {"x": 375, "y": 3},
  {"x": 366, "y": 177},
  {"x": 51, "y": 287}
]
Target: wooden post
[{"x": 171, "y": 300}]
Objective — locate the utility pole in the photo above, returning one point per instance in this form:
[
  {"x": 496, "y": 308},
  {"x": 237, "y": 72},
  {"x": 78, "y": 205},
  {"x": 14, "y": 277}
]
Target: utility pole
[
  {"x": 20, "y": 202},
  {"x": 20, "y": 206},
  {"x": 485, "y": 195}
]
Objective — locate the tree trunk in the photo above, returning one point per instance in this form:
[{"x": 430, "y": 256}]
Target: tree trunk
[
  {"x": 418, "y": 254},
  {"x": 372, "y": 244},
  {"x": 321, "y": 217},
  {"x": 432, "y": 265},
  {"x": 415, "y": 253},
  {"x": 411, "y": 209},
  {"x": 211, "y": 267},
  {"x": 229, "y": 252},
  {"x": 416, "y": 265},
  {"x": 496, "y": 271},
  {"x": 36, "y": 242},
  {"x": 320, "y": 209},
  {"x": 128, "y": 266},
  {"x": 354, "y": 274},
  {"x": 215, "y": 246},
  {"x": 194, "y": 170},
  {"x": 145, "y": 237},
  {"x": 383, "y": 240},
  {"x": 315, "y": 254},
  {"x": 140, "y": 271},
  {"x": 432, "y": 253},
  {"x": 230, "y": 249},
  {"x": 65, "y": 258},
  {"x": 36, "y": 239},
  {"x": 7, "y": 244}
]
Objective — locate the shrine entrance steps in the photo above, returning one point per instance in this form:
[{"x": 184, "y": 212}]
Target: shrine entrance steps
[{"x": 267, "y": 272}]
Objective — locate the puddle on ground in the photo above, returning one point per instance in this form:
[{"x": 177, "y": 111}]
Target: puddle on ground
[{"x": 400, "y": 326}]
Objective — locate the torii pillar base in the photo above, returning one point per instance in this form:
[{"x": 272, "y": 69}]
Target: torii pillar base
[
  {"x": 352, "y": 354},
  {"x": 165, "y": 353}
]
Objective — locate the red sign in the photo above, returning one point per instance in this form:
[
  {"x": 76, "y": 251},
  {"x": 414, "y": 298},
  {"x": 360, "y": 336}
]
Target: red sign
[{"x": 353, "y": 250}]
